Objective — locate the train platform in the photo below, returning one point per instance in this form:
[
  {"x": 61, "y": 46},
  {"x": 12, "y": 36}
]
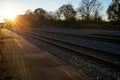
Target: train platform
[{"x": 23, "y": 60}]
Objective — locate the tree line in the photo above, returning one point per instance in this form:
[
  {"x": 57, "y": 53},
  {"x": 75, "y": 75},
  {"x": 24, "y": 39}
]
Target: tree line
[{"x": 88, "y": 11}]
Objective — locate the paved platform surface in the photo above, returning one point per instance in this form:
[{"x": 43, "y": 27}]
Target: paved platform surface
[{"x": 24, "y": 61}]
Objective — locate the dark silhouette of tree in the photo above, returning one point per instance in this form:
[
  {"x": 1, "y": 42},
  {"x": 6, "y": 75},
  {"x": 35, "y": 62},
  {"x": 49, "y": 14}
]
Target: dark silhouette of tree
[
  {"x": 113, "y": 11},
  {"x": 67, "y": 11},
  {"x": 52, "y": 16},
  {"x": 29, "y": 15},
  {"x": 58, "y": 14},
  {"x": 28, "y": 12},
  {"x": 40, "y": 13},
  {"x": 117, "y": 2},
  {"x": 88, "y": 8}
]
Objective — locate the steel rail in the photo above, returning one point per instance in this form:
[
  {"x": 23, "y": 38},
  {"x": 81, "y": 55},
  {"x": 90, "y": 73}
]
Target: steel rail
[{"x": 86, "y": 36}]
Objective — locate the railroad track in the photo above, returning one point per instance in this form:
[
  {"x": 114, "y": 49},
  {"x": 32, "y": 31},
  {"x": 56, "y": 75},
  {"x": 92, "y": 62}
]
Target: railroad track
[
  {"x": 101, "y": 55},
  {"x": 97, "y": 37}
]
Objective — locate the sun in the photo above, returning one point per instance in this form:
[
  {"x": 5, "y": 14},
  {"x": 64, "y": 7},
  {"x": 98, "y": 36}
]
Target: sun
[{"x": 9, "y": 13}]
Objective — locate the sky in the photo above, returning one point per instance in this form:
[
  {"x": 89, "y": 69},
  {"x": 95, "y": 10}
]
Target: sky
[{"x": 20, "y": 6}]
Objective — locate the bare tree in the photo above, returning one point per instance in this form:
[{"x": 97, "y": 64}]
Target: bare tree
[
  {"x": 81, "y": 12},
  {"x": 97, "y": 8},
  {"x": 67, "y": 11},
  {"x": 88, "y": 8}
]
